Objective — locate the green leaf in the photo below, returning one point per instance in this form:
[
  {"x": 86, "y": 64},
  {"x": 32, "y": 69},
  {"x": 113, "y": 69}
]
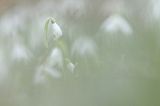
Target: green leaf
[{"x": 46, "y": 32}]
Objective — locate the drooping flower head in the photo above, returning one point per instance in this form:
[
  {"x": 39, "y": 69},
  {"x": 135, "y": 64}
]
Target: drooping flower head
[{"x": 57, "y": 32}]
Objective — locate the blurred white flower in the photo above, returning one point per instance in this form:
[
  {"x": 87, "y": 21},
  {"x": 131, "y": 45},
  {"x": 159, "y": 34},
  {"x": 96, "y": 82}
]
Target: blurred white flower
[
  {"x": 8, "y": 26},
  {"x": 71, "y": 67},
  {"x": 57, "y": 32},
  {"x": 43, "y": 72},
  {"x": 55, "y": 58},
  {"x": 83, "y": 47},
  {"x": 50, "y": 67},
  {"x": 39, "y": 75},
  {"x": 115, "y": 24},
  {"x": 53, "y": 72},
  {"x": 20, "y": 53},
  {"x": 12, "y": 22},
  {"x": 155, "y": 4}
]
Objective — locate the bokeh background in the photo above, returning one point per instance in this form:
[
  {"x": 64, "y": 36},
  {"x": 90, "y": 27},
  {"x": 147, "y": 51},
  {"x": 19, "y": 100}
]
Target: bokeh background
[{"x": 114, "y": 45}]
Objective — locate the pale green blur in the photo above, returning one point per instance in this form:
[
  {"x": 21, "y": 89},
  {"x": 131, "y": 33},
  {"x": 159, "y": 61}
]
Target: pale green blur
[{"x": 114, "y": 45}]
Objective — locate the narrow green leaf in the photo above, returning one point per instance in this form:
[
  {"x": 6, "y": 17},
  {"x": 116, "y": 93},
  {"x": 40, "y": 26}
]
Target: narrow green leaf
[{"x": 46, "y": 32}]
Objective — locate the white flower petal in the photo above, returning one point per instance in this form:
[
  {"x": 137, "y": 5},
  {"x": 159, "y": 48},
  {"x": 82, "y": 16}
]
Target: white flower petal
[
  {"x": 43, "y": 72},
  {"x": 116, "y": 23},
  {"x": 56, "y": 58},
  {"x": 71, "y": 67},
  {"x": 20, "y": 53},
  {"x": 84, "y": 47},
  {"x": 53, "y": 72},
  {"x": 74, "y": 8},
  {"x": 57, "y": 32}
]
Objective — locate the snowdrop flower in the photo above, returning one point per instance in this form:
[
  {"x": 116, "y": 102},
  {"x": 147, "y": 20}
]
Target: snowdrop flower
[
  {"x": 20, "y": 53},
  {"x": 84, "y": 47},
  {"x": 115, "y": 24},
  {"x": 8, "y": 25},
  {"x": 71, "y": 67},
  {"x": 55, "y": 58},
  {"x": 43, "y": 72},
  {"x": 155, "y": 4},
  {"x": 53, "y": 72},
  {"x": 12, "y": 21},
  {"x": 57, "y": 32},
  {"x": 39, "y": 75}
]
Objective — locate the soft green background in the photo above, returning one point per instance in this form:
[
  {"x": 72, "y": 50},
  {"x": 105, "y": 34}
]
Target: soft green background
[{"x": 124, "y": 72}]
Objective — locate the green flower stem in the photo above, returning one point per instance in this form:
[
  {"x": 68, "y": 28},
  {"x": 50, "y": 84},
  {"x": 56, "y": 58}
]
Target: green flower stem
[{"x": 52, "y": 20}]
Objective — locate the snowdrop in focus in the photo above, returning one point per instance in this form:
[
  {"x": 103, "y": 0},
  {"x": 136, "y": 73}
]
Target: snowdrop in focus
[{"x": 57, "y": 32}]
